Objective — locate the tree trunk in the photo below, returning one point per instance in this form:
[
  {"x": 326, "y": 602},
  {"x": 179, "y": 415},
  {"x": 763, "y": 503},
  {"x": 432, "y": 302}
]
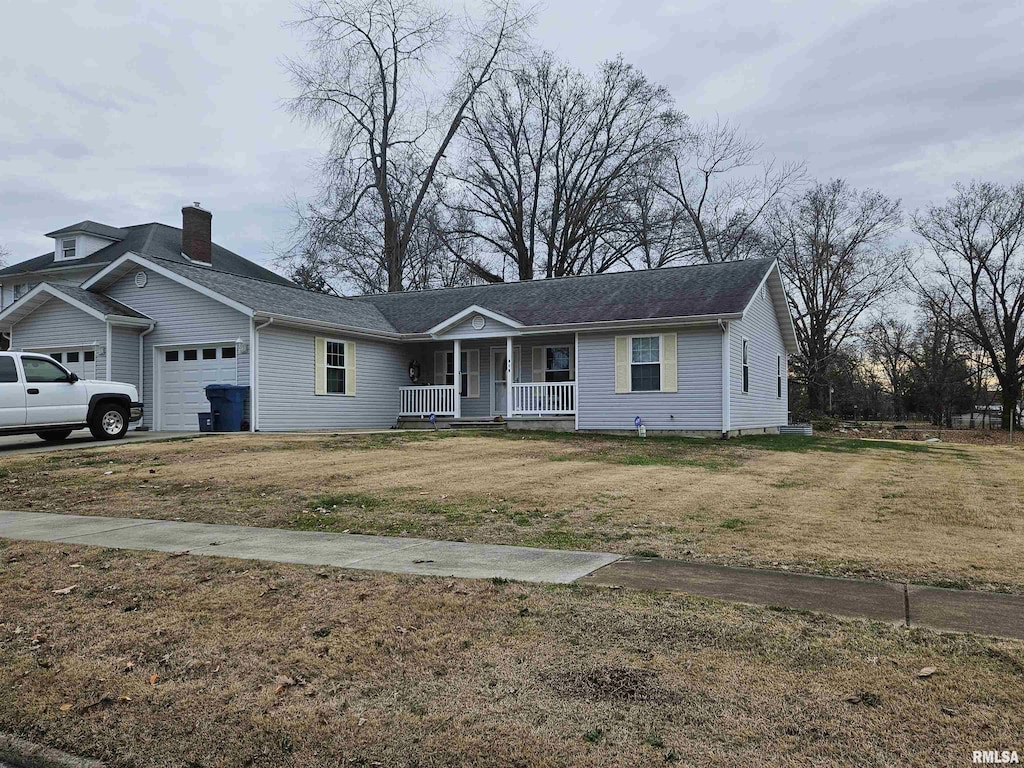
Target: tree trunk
[{"x": 393, "y": 256}]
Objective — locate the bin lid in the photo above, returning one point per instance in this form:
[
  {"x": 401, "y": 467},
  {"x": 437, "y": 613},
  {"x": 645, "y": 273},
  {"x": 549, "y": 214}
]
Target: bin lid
[{"x": 226, "y": 387}]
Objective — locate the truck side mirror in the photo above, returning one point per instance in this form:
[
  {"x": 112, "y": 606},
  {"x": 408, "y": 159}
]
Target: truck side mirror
[{"x": 72, "y": 377}]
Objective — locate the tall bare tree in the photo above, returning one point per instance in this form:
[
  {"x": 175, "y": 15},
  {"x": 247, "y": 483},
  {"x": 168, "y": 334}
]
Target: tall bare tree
[
  {"x": 888, "y": 343},
  {"x": 725, "y": 191},
  {"x": 834, "y": 251},
  {"x": 976, "y": 239},
  {"x": 367, "y": 80},
  {"x": 552, "y": 159}
]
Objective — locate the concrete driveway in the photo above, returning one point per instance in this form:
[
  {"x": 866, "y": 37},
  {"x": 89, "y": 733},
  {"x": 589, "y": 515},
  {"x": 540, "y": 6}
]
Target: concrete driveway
[{"x": 17, "y": 444}]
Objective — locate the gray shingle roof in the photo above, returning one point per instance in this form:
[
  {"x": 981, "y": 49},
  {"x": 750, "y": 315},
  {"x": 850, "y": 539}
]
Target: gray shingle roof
[
  {"x": 704, "y": 289},
  {"x": 90, "y": 228},
  {"x": 151, "y": 240},
  {"x": 99, "y": 302},
  {"x": 276, "y": 299}
]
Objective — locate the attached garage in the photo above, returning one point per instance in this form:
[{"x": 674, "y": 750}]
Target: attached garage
[
  {"x": 80, "y": 361},
  {"x": 182, "y": 375}
]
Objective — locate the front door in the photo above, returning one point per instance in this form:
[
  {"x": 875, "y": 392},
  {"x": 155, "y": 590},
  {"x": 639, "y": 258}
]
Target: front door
[
  {"x": 50, "y": 397},
  {"x": 499, "y": 367},
  {"x": 499, "y": 394}
]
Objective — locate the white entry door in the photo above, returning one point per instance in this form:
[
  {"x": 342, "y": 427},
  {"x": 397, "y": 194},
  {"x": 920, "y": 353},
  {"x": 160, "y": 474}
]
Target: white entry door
[
  {"x": 499, "y": 387},
  {"x": 183, "y": 376},
  {"x": 79, "y": 361}
]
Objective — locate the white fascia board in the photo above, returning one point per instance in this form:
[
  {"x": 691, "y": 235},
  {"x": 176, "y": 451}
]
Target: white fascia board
[
  {"x": 614, "y": 325},
  {"x": 55, "y": 292},
  {"x": 170, "y": 274},
  {"x": 318, "y": 325},
  {"x": 475, "y": 309},
  {"x": 788, "y": 329}
]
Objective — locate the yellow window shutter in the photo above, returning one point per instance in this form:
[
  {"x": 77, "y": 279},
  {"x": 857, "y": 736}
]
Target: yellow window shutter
[
  {"x": 439, "y": 367},
  {"x": 473, "y": 371},
  {"x": 538, "y": 363},
  {"x": 669, "y": 364},
  {"x": 320, "y": 361},
  {"x": 622, "y": 364},
  {"x": 350, "y": 368}
]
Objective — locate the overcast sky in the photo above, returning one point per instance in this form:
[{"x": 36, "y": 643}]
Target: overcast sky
[{"x": 123, "y": 111}]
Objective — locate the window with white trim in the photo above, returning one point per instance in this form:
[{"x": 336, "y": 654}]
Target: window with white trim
[
  {"x": 746, "y": 366},
  {"x": 778, "y": 377},
  {"x": 21, "y": 289},
  {"x": 645, "y": 363},
  {"x": 556, "y": 363},
  {"x": 449, "y": 371},
  {"x": 335, "y": 361},
  {"x": 68, "y": 248}
]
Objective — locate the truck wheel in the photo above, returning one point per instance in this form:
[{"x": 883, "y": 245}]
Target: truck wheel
[
  {"x": 109, "y": 422},
  {"x": 54, "y": 435}
]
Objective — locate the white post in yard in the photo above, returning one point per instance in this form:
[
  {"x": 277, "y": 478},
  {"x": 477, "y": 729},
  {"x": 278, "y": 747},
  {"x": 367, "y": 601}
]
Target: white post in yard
[
  {"x": 457, "y": 368},
  {"x": 508, "y": 376}
]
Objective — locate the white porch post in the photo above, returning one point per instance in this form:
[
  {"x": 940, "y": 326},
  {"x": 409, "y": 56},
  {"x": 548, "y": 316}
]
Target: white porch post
[
  {"x": 457, "y": 367},
  {"x": 508, "y": 376}
]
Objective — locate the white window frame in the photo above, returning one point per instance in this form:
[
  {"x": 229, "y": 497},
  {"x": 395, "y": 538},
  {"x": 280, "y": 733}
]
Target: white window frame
[
  {"x": 449, "y": 370},
  {"x": 568, "y": 370},
  {"x": 64, "y": 248},
  {"x": 745, "y": 365},
  {"x": 20, "y": 289},
  {"x": 778, "y": 377},
  {"x": 661, "y": 360},
  {"x": 328, "y": 367}
]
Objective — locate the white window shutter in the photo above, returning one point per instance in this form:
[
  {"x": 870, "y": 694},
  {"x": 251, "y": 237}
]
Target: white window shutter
[
  {"x": 350, "y": 368},
  {"x": 622, "y": 364},
  {"x": 538, "y": 364},
  {"x": 669, "y": 364},
  {"x": 320, "y": 361},
  {"x": 439, "y": 367},
  {"x": 473, "y": 371}
]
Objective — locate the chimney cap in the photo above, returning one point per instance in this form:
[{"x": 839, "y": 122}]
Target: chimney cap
[{"x": 197, "y": 205}]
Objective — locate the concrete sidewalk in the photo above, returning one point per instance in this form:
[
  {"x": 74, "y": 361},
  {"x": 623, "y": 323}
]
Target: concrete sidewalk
[
  {"x": 983, "y": 613},
  {"x": 343, "y": 550}
]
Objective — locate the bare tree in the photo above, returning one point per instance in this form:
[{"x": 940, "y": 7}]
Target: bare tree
[
  {"x": 711, "y": 182},
  {"x": 366, "y": 80},
  {"x": 976, "y": 239},
  {"x": 832, "y": 243},
  {"x": 552, "y": 159},
  {"x": 888, "y": 343}
]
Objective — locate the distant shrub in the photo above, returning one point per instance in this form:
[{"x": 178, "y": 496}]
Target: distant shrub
[{"x": 825, "y": 423}]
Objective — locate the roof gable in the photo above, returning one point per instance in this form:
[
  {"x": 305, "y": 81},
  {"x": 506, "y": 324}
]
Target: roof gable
[
  {"x": 95, "y": 305},
  {"x": 475, "y": 321}
]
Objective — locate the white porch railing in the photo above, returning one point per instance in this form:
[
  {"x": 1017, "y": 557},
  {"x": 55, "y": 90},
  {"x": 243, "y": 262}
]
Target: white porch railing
[
  {"x": 553, "y": 398},
  {"x": 437, "y": 399}
]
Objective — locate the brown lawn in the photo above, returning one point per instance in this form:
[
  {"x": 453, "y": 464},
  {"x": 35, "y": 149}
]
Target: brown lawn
[
  {"x": 929, "y": 513},
  {"x": 156, "y": 660}
]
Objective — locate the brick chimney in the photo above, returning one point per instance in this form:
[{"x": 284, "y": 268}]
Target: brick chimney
[{"x": 196, "y": 229}]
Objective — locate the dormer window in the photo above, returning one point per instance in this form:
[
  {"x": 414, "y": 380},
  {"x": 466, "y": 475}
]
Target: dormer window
[{"x": 67, "y": 248}]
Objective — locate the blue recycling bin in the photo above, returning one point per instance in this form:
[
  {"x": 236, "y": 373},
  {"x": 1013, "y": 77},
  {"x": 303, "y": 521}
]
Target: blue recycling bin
[{"x": 227, "y": 401}]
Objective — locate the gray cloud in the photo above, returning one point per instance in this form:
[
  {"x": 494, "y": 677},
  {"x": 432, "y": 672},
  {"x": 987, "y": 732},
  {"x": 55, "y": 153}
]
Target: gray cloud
[{"x": 122, "y": 111}]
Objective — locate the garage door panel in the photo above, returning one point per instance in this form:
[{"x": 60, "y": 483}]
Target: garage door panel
[{"x": 183, "y": 384}]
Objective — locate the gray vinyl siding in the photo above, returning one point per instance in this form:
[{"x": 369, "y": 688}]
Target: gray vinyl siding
[
  {"x": 57, "y": 324},
  {"x": 761, "y": 406},
  {"x": 183, "y": 316},
  {"x": 124, "y": 355},
  {"x": 697, "y": 405},
  {"x": 465, "y": 329},
  {"x": 286, "y": 384},
  {"x": 481, "y": 407}
]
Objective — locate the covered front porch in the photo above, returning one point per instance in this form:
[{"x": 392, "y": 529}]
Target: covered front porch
[{"x": 514, "y": 377}]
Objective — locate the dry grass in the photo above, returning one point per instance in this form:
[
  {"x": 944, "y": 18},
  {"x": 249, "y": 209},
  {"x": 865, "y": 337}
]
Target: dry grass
[
  {"x": 401, "y": 671},
  {"x": 928, "y": 513}
]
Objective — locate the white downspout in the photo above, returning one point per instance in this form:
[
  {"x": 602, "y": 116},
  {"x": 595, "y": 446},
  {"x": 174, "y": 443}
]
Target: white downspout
[
  {"x": 726, "y": 378},
  {"x": 142, "y": 368},
  {"x": 254, "y": 345},
  {"x": 110, "y": 356}
]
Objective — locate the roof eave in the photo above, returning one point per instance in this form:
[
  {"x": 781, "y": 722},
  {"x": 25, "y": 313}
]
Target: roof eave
[{"x": 319, "y": 325}]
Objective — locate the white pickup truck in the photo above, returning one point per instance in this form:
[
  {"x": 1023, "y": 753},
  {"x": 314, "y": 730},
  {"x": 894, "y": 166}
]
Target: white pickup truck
[{"x": 38, "y": 395}]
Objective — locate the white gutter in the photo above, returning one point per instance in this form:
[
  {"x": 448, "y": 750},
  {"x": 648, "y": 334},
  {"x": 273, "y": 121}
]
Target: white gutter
[
  {"x": 110, "y": 356},
  {"x": 142, "y": 358}
]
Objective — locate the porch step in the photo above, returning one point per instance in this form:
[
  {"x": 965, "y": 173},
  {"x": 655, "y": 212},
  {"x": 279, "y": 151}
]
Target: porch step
[{"x": 489, "y": 424}]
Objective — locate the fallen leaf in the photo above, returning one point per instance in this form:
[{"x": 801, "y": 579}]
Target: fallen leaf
[
  {"x": 926, "y": 672},
  {"x": 66, "y": 707},
  {"x": 153, "y": 679},
  {"x": 76, "y": 565},
  {"x": 66, "y": 590},
  {"x": 38, "y": 638},
  {"x": 283, "y": 683}
]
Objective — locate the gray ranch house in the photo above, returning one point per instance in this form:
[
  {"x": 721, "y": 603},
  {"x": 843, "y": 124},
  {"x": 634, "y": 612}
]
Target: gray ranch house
[{"x": 695, "y": 350}]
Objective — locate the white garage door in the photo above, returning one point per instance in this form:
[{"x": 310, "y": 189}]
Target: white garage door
[
  {"x": 79, "y": 361},
  {"x": 184, "y": 374}
]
